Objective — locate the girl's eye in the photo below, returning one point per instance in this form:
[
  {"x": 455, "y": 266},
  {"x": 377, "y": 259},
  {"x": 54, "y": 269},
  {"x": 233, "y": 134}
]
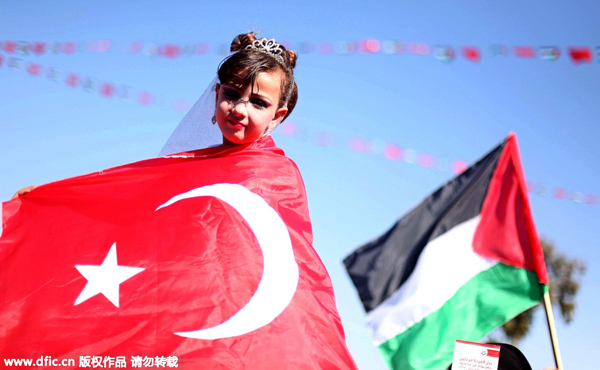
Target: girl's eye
[
  {"x": 259, "y": 103},
  {"x": 231, "y": 94}
]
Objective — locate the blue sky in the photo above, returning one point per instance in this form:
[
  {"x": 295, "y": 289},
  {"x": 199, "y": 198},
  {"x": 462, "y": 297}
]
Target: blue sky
[{"x": 449, "y": 110}]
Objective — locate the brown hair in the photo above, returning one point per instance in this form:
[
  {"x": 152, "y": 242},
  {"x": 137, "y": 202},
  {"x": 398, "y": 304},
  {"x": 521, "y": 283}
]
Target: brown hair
[{"x": 242, "y": 68}]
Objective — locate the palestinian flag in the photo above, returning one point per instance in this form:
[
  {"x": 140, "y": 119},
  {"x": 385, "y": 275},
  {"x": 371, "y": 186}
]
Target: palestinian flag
[{"x": 463, "y": 262}]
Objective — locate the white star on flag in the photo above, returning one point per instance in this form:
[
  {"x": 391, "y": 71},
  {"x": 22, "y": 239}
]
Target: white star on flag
[{"x": 105, "y": 278}]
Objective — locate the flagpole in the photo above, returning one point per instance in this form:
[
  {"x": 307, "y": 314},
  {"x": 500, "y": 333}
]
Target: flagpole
[{"x": 552, "y": 329}]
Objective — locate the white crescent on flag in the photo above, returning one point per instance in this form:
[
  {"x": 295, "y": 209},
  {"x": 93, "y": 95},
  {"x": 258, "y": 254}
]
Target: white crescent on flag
[{"x": 280, "y": 275}]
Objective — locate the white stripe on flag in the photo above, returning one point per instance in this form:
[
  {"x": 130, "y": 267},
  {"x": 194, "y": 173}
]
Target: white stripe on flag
[{"x": 445, "y": 265}]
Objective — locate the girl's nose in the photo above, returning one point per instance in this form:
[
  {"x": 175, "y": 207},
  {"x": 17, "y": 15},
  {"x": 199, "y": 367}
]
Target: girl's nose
[{"x": 239, "y": 108}]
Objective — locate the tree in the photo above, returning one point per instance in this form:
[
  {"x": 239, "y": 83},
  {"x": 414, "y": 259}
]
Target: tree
[{"x": 564, "y": 274}]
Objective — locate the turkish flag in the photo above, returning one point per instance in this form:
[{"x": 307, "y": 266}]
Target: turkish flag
[{"x": 204, "y": 255}]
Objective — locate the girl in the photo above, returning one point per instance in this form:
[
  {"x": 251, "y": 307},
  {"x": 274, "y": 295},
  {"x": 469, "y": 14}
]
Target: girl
[
  {"x": 256, "y": 90},
  {"x": 252, "y": 62},
  {"x": 264, "y": 301}
]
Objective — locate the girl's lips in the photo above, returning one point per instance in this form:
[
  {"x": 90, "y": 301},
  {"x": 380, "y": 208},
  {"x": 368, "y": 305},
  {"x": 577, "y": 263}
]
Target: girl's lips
[{"x": 236, "y": 124}]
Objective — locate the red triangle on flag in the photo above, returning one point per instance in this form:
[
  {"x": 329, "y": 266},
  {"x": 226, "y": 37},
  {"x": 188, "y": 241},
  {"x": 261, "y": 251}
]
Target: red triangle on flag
[{"x": 506, "y": 231}]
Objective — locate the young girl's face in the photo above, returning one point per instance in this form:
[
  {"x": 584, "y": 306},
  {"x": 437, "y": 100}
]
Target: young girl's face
[{"x": 243, "y": 115}]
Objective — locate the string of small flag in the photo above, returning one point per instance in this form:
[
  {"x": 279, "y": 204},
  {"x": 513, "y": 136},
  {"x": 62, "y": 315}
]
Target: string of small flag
[
  {"x": 389, "y": 151},
  {"x": 577, "y": 54},
  {"x": 90, "y": 84},
  {"x": 411, "y": 156}
]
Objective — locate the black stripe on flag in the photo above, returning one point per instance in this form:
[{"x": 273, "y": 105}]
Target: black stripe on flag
[{"x": 381, "y": 266}]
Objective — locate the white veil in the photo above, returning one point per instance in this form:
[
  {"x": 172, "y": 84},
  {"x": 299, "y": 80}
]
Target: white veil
[{"x": 196, "y": 131}]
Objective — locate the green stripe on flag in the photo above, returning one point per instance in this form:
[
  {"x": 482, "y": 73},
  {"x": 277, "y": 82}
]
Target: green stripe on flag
[{"x": 485, "y": 302}]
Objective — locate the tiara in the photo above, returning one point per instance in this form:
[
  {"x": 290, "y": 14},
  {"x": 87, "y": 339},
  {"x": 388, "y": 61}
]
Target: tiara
[{"x": 270, "y": 47}]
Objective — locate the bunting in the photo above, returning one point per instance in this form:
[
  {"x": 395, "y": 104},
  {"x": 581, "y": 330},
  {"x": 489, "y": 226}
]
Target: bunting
[
  {"x": 105, "y": 89},
  {"x": 445, "y": 53}
]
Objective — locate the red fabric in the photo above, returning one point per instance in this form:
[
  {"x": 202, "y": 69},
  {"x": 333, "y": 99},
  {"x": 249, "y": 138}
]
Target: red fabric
[
  {"x": 201, "y": 265},
  {"x": 506, "y": 231}
]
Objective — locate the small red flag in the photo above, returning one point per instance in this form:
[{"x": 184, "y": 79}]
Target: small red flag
[
  {"x": 560, "y": 193},
  {"x": 102, "y": 46},
  {"x": 371, "y": 46},
  {"x": 580, "y": 55},
  {"x": 10, "y": 47},
  {"x": 38, "y": 48},
  {"x": 425, "y": 160},
  {"x": 145, "y": 98},
  {"x": 524, "y": 51},
  {"x": 205, "y": 256},
  {"x": 34, "y": 69},
  {"x": 107, "y": 90},
  {"x": 472, "y": 53},
  {"x": 136, "y": 47},
  {"x": 592, "y": 199},
  {"x": 69, "y": 47},
  {"x": 459, "y": 166},
  {"x": 394, "y": 152},
  {"x": 170, "y": 50},
  {"x": 72, "y": 80}
]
